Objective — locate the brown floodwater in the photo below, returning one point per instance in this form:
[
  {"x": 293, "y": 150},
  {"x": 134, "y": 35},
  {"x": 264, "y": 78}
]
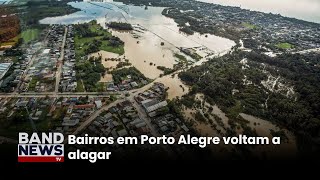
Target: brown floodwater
[
  {"x": 263, "y": 127},
  {"x": 151, "y": 28},
  {"x": 176, "y": 87},
  {"x": 143, "y": 45}
]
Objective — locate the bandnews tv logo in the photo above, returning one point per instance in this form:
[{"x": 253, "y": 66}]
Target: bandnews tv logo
[{"x": 42, "y": 147}]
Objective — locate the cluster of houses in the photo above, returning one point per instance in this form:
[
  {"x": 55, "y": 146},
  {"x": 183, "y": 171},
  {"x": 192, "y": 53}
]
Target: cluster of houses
[
  {"x": 11, "y": 80},
  {"x": 68, "y": 81},
  {"x": 126, "y": 84},
  {"x": 4, "y": 68},
  {"x": 154, "y": 104},
  {"x": 120, "y": 120},
  {"x": 77, "y": 109},
  {"x": 263, "y": 28},
  {"x": 152, "y": 100},
  {"x": 67, "y": 112},
  {"x": 42, "y": 62}
]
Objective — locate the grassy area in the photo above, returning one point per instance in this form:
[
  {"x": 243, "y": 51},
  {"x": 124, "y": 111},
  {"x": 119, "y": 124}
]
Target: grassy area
[
  {"x": 249, "y": 26},
  {"x": 30, "y": 35},
  {"x": 80, "y": 87},
  {"x": 118, "y": 50},
  {"x": 284, "y": 46},
  {"x": 33, "y": 83},
  {"x": 101, "y": 86},
  {"x": 83, "y": 43},
  {"x": 27, "y": 35},
  {"x": 180, "y": 57},
  {"x": 235, "y": 110}
]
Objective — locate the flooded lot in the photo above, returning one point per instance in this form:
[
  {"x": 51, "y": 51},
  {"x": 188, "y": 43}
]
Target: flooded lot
[
  {"x": 143, "y": 46},
  {"x": 176, "y": 87},
  {"x": 287, "y": 148},
  {"x": 263, "y": 127},
  {"x": 151, "y": 28}
]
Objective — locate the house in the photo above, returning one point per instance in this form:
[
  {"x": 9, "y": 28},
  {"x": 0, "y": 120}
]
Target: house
[
  {"x": 123, "y": 104},
  {"x": 153, "y": 105},
  {"x": 98, "y": 104},
  {"x": 134, "y": 84},
  {"x": 122, "y": 132},
  {"x": 143, "y": 130},
  {"x": 114, "y": 134},
  {"x": 136, "y": 121},
  {"x": 113, "y": 109},
  {"x": 141, "y": 124},
  {"x": 125, "y": 120},
  {"x": 108, "y": 116},
  {"x": 37, "y": 115},
  {"x": 85, "y": 106},
  {"x": 115, "y": 123},
  {"x": 185, "y": 128},
  {"x": 144, "y": 82},
  {"x": 21, "y": 104},
  {"x": 69, "y": 122}
]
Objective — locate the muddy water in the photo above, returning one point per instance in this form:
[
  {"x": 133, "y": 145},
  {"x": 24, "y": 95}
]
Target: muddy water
[
  {"x": 145, "y": 50},
  {"x": 176, "y": 87},
  {"x": 143, "y": 45},
  {"x": 263, "y": 127},
  {"x": 107, "y": 63}
]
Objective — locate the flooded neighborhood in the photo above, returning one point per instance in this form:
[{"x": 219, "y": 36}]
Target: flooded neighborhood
[{"x": 165, "y": 68}]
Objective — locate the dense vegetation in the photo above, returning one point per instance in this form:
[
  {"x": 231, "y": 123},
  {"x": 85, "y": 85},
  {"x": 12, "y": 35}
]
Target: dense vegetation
[
  {"x": 23, "y": 17},
  {"x": 9, "y": 26},
  {"x": 37, "y": 10},
  {"x": 165, "y": 70},
  {"x": 187, "y": 30},
  {"x": 120, "y": 26},
  {"x": 122, "y": 74},
  {"x": 123, "y": 64},
  {"x": 90, "y": 72},
  {"x": 90, "y": 38},
  {"x": 219, "y": 77}
]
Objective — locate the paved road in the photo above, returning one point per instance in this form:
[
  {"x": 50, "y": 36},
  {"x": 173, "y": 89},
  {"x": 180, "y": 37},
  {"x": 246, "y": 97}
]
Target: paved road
[
  {"x": 34, "y": 56},
  {"x": 65, "y": 94},
  {"x": 60, "y": 61},
  {"x": 94, "y": 116},
  {"x": 97, "y": 113},
  {"x": 143, "y": 115},
  {"x": 45, "y": 40}
]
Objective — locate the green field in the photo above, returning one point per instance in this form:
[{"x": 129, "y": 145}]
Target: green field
[
  {"x": 30, "y": 35},
  {"x": 284, "y": 46},
  {"x": 82, "y": 43},
  {"x": 32, "y": 84},
  {"x": 249, "y": 26},
  {"x": 80, "y": 87}
]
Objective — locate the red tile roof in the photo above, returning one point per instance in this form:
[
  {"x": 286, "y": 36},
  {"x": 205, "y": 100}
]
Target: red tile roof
[{"x": 84, "y": 106}]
